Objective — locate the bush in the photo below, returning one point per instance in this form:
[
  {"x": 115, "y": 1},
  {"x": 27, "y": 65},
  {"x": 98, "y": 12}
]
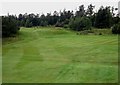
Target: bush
[
  {"x": 116, "y": 29},
  {"x": 28, "y": 23},
  {"x": 66, "y": 26},
  {"x": 59, "y": 24},
  {"x": 44, "y": 23},
  {"x": 9, "y": 26},
  {"x": 85, "y": 32},
  {"x": 100, "y": 33},
  {"x": 80, "y": 24}
]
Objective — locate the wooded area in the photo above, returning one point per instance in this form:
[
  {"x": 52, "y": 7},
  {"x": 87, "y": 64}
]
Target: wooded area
[{"x": 80, "y": 20}]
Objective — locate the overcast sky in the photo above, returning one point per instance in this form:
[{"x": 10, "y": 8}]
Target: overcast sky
[{"x": 46, "y": 6}]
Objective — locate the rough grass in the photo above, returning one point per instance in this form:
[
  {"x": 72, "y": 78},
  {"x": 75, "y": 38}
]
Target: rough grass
[
  {"x": 96, "y": 31},
  {"x": 53, "y": 55}
]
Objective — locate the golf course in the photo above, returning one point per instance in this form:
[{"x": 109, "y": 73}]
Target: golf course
[{"x": 57, "y": 55}]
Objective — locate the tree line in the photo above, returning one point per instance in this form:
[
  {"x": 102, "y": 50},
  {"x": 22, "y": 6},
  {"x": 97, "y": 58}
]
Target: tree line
[{"x": 79, "y": 20}]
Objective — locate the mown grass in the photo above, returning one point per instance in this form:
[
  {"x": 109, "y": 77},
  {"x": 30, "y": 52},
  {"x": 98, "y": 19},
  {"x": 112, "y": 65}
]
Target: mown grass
[
  {"x": 0, "y": 61},
  {"x": 53, "y": 55}
]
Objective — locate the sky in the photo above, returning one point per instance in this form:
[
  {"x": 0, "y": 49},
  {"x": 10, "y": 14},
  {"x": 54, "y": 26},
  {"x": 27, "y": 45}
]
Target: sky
[{"x": 47, "y": 6}]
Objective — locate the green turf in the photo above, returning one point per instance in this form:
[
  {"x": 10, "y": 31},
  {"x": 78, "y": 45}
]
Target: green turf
[
  {"x": 0, "y": 61},
  {"x": 53, "y": 55}
]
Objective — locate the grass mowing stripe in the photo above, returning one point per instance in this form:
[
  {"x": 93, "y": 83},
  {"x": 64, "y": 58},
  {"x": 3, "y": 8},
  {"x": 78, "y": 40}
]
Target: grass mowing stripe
[{"x": 47, "y": 55}]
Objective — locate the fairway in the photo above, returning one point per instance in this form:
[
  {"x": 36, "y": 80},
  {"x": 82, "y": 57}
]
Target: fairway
[{"x": 54, "y": 55}]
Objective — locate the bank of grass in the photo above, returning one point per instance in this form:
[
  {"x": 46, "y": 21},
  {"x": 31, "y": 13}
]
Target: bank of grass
[
  {"x": 56, "y": 55},
  {"x": 96, "y": 31}
]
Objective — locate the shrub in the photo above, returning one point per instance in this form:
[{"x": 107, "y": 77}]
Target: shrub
[
  {"x": 59, "y": 24},
  {"x": 100, "y": 33},
  {"x": 116, "y": 29},
  {"x": 28, "y": 23},
  {"x": 80, "y": 24},
  {"x": 9, "y": 26},
  {"x": 85, "y": 32},
  {"x": 66, "y": 26},
  {"x": 43, "y": 23}
]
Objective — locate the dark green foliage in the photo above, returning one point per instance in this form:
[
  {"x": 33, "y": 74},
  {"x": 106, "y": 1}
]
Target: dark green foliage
[
  {"x": 80, "y": 24},
  {"x": 100, "y": 33},
  {"x": 9, "y": 26},
  {"x": 80, "y": 12},
  {"x": 79, "y": 20},
  {"x": 90, "y": 11},
  {"x": 59, "y": 24},
  {"x": 57, "y": 19},
  {"x": 64, "y": 18},
  {"x": 28, "y": 23},
  {"x": 62, "y": 24},
  {"x": 91, "y": 14},
  {"x": 85, "y": 32},
  {"x": 43, "y": 23},
  {"x": 116, "y": 29},
  {"x": 103, "y": 18},
  {"x": 116, "y": 20},
  {"x": 66, "y": 26}
]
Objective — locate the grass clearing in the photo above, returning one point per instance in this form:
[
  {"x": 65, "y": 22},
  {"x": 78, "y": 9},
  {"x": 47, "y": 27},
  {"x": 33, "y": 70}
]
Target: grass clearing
[{"x": 53, "y": 55}]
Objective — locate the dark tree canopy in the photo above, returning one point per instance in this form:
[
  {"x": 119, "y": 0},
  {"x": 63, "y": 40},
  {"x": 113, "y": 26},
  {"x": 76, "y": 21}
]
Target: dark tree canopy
[
  {"x": 80, "y": 24},
  {"x": 103, "y": 18},
  {"x": 9, "y": 26},
  {"x": 78, "y": 20}
]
